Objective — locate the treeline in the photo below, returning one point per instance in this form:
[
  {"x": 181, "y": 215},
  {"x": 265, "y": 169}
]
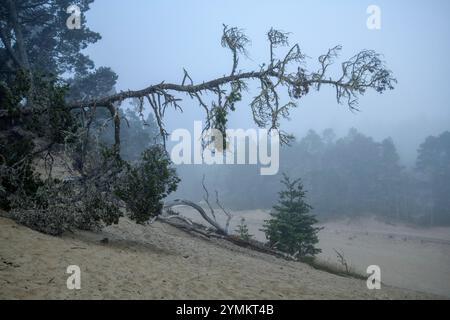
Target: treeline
[{"x": 353, "y": 175}]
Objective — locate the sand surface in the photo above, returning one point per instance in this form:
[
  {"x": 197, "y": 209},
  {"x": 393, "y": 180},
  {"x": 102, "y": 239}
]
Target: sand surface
[
  {"x": 161, "y": 262},
  {"x": 408, "y": 257}
]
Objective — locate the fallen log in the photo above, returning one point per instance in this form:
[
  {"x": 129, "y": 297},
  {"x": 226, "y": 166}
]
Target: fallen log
[
  {"x": 199, "y": 209},
  {"x": 196, "y": 229}
]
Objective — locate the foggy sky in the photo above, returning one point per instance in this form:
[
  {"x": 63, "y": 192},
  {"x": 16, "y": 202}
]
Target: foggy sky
[{"x": 147, "y": 42}]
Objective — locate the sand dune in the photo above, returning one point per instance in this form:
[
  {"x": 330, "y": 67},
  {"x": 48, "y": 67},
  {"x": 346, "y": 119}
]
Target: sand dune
[
  {"x": 409, "y": 257},
  {"x": 161, "y": 262},
  {"x": 413, "y": 258}
]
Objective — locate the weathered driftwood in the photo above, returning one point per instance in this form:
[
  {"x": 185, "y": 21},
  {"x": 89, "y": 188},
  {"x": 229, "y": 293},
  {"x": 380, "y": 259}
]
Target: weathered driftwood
[
  {"x": 194, "y": 229},
  {"x": 258, "y": 246},
  {"x": 197, "y": 229},
  {"x": 199, "y": 209}
]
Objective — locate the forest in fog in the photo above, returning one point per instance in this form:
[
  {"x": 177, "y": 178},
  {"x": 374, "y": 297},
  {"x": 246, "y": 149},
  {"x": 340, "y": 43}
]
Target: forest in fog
[{"x": 351, "y": 175}]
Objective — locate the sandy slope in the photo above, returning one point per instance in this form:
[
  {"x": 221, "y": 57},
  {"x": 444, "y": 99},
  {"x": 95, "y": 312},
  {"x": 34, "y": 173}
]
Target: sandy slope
[
  {"x": 409, "y": 257},
  {"x": 160, "y": 262},
  {"x": 413, "y": 258}
]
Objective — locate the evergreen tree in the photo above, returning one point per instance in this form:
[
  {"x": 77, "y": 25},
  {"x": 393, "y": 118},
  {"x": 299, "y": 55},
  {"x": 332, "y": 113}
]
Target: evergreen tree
[
  {"x": 388, "y": 182},
  {"x": 35, "y": 37},
  {"x": 242, "y": 230},
  {"x": 433, "y": 160},
  {"x": 291, "y": 228}
]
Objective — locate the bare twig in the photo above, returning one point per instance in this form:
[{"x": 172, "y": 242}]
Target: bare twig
[{"x": 342, "y": 261}]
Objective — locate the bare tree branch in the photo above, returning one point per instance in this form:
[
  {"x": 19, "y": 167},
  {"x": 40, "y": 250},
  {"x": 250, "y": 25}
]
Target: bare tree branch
[{"x": 366, "y": 70}]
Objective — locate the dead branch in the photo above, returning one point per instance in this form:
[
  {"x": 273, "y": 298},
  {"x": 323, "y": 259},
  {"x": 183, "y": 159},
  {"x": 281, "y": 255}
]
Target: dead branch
[
  {"x": 342, "y": 261},
  {"x": 206, "y": 198},
  {"x": 196, "y": 229},
  {"x": 199, "y": 209},
  {"x": 363, "y": 71},
  {"x": 227, "y": 213},
  {"x": 192, "y": 228}
]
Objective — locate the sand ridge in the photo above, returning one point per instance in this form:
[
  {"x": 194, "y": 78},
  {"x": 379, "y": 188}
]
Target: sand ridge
[{"x": 161, "y": 262}]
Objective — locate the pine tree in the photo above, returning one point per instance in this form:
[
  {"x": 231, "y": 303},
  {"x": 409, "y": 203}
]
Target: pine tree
[
  {"x": 242, "y": 230},
  {"x": 291, "y": 228}
]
